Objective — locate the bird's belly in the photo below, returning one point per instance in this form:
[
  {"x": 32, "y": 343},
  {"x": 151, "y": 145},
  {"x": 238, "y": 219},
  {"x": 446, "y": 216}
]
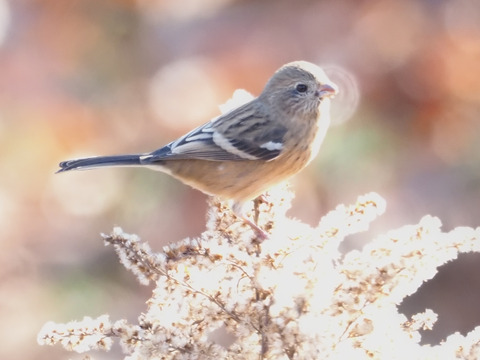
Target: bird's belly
[{"x": 238, "y": 180}]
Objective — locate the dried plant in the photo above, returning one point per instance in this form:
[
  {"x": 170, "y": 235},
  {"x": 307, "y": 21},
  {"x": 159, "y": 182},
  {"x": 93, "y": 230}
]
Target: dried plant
[{"x": 292, "y": 296}]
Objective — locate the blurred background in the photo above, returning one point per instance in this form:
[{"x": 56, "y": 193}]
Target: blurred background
[{"x": 89, "y": 77}]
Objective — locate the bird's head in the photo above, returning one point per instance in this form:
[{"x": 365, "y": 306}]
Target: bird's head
[{"x": 299, "y": 88}]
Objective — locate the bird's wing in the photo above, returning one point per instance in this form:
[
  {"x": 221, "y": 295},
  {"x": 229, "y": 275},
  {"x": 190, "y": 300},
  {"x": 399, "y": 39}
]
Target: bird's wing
[{"x": 246, "y": 133}]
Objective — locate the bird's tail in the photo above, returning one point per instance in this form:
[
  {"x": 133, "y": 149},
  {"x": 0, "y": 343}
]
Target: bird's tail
[{"x": 99, "y": 161}]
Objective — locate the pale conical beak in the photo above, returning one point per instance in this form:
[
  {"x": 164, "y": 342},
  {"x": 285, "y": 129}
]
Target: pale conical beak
[{"x": 327, "y": 90}]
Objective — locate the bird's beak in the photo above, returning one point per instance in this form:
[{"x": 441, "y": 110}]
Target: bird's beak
[{"x": 327, "y": 90}]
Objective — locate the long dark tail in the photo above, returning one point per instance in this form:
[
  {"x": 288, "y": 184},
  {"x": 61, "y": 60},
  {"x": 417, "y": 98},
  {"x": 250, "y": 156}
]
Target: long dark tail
[{"x": 99, "y": 161}]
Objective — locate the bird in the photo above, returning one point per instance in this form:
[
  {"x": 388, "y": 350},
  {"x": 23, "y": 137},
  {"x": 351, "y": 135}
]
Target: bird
[{"x": 239, "y": 155}]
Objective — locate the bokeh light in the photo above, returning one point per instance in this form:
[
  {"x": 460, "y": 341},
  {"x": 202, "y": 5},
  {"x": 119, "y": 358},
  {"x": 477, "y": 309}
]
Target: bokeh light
[{"x": 5, "y": 19}]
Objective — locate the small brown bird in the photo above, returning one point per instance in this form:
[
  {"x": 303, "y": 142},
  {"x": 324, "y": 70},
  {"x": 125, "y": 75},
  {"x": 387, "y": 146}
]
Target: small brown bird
[{"x": 242, "y": 153}]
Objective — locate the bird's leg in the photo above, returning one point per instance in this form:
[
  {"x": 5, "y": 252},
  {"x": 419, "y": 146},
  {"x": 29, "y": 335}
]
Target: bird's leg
[
  {"x": 239, "y": 211},
  {"x": 262, "y": 234},
  {"x": 259, "y": 200}
]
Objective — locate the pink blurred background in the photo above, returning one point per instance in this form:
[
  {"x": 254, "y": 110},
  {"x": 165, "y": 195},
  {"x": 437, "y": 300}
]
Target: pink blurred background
[{"x": 88, "y": 77}]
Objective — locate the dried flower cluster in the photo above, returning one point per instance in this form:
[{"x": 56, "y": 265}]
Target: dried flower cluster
[{"x": 227, "y": 295}]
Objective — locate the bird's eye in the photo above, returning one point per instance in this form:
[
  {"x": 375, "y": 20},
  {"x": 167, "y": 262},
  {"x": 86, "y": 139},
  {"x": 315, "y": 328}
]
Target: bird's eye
[{"x": 301, "y": 88}]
